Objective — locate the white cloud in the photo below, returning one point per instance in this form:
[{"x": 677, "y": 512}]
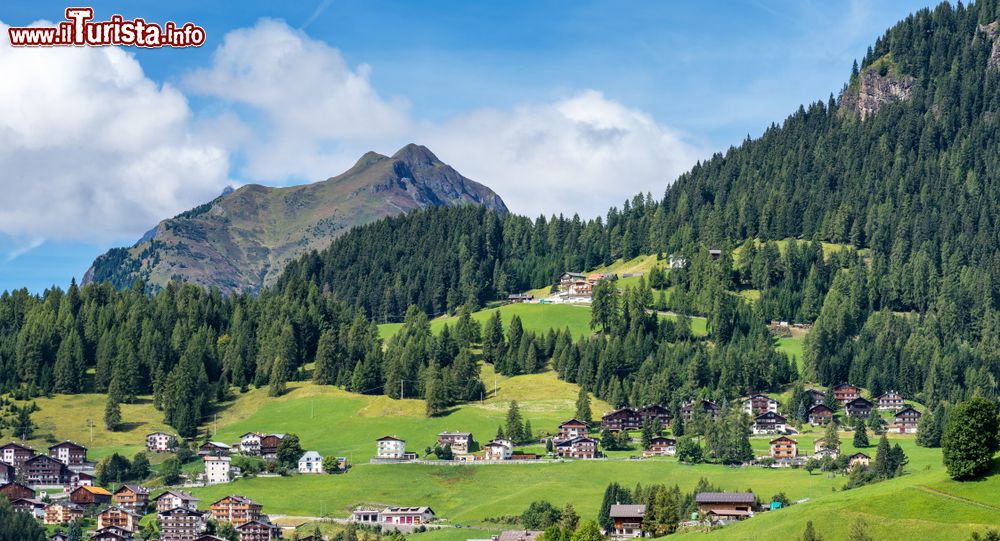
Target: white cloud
[
  {"x": 314, "y": 110},
  {"x": 581, "y": 155},
  {"x": 92, "y": 149}
]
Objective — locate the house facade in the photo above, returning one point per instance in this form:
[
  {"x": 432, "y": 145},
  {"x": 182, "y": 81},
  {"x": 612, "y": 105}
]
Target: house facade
[
  {"x": 907, "y": 420},
  {"x": 33, "y": 507},
  {"x": 46, "y": 471},
  {"x": 783, "y": 448},
  {"x": 135, "y": 498},
  {"x": 311, "y": 462},
  {"x": 217, "y": 469},
  {"x": 579, "y": 447},
  {"x": 406, "y": 515},
  {"x": 627, "y": 520},
  {"x": 759, "y": 404},
  {"x": 269, "y": 445},
  {"x": 234, "y": 509},
  {"x": 820, "y": 450},
  {"x": 573, "y": 428},
  {"x": 69, "y": 453},
  {"x": 118, "y": 517},
  {"x": 458, "y": 441},
  {"x": 816, "y": 396},
  {"x": 890, "y": 401},
  {"x": 90, "y": 495},
  {"x": 14, "y": 491},
  {"x": 161, "y": 442},
  {"x": 79, "y": 479},
  {"x": 15, "y": 454},
  {"x": 180, "y": 524},
  {"x": 820, "y": 414},
  {"x": 250, "y": 443},
  {"x": 173, "y": 499},
  {"x": 62, "y": 512},
  {"x": 258, "y": 530},
  {"x": 111, "y": 534},
  {"x": 214, "y": 448},
  {"x": 726, "y": 506},
  {"x": 859, "y": 407},
  {"x": 390, "y": 447},
  {"x": 656, "y": 412},
  {"x": 661, "y": 446},
  {"x": 859, "y": 459},
  {"x": 499, "y": 449},
  {"x": 845, "y": 392},
  {"x": 621, "y": 419},
  {"x": 709, "y": 408},
  {"x": 769, "y": 423}
]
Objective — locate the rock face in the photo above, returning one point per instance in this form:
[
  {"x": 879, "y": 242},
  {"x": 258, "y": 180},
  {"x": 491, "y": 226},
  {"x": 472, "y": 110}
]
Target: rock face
[
  {"x": 875, "y": 88},
  {"x": 241, "y": 241},
  {"x": 992, "y": 30}
]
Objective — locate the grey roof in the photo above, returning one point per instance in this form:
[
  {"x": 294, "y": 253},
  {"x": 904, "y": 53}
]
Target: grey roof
[
  {"x": 619, "y": 510},
  {"x": 310, "y": 455},
  {"x": 520, "y": 535},
  {"x": 725, "y": 497}
]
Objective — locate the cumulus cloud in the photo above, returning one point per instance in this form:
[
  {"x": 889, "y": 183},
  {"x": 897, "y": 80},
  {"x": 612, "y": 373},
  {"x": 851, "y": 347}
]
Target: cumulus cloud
[
  {"x": 313, "y": 110},
  {"x": 91, "y": 149},
  {"x": 581, "y": 154}
]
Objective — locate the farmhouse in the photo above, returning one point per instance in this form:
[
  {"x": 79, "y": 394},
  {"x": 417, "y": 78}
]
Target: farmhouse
[
  {"x": 390, "y": 447},
  {"x": 621, "y": 419},
  {"x": 79, "y": 479},
  {"x": 214, "y": 448},
  {"x": 132, "y": 497},
  {"x": 160, "y": 442},
  {"x": 726, "y": 506},
  {"x": 217, "y": 469},
  {"x": 759, "y": 404},
  {"x": 45, "y": 470},
  {"x": 458, "y": 441},
  {"x": 311, "y": 462},
  {"x": 574, "y": 428},
  {"x": 236, "y": 510},
  {"x": 172, "y": 499},
  {"x": 269, "y": 445},
  {"x": 35, "y": 508},
  {"x": 859, "y": 407},
  {"x": 907, "y": 420},
  {"x": 661, "y": 446},
  {"x": 250, "y": 443},
  {"x": 111, "y": 534},
  {"x": 15, "y": 491},
  {"x": 783, "y": 448},
  {"x": 859, "y": 459},
  {"x": 574, "y": 284},
  {"x": 816, "y": 396},
  {"x": 709, "y": 408},
  {"x": 90, "y": 495},
  {"x": 118, "y": 517},
  {"x": 406, "y": 515},
  {"x": 656, "y": 412},
  {"x": 627, "y": 520},
  {"x": 820, "y": 414},
  {"x": 69, "y": 453},
  {"x": 15, "y": 454},
  {"x": 499, "y": 449},
  {"x": 769, "y": 423},
  {"x": 845, "y": 392},
  {"x": 258, "y": 530},
  {"x": 62, "y": 512},
  {"x": 890, "y": 401},
  {"x": 579, "y": 447},
  {"x": 180, "y": 524}
]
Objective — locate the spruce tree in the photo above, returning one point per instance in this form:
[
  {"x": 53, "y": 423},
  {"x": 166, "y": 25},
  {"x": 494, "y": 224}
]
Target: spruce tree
[
  {"x": 860, "y": 434},
  {"x": 583, "y": 407},
  {"x": 279, "y": 377},
  {"x": 324, "y": 371},
  {"x": 112, "y": 413},
  {"x": 515, "y": 426}
]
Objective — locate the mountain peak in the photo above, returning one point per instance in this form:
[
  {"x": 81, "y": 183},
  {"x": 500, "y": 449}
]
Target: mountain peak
[{"x": 414, "y": 154}]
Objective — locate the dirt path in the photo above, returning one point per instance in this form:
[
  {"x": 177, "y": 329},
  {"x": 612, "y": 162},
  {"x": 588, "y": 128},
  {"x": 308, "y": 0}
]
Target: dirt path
[{"x": 937, "y": 492}]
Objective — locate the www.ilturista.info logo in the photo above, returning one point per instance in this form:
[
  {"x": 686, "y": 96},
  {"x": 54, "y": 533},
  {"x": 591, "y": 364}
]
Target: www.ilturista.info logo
[{"x": 79, "y": 28}]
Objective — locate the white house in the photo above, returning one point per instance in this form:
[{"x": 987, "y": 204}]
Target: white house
[
  {"x": 160, "y": 442},
  {"x": 758, "y": 404},
  {"x": 406, "y": 515},
  {"x": 217, "y": 469},
  {"x": 391, "y": 447},
  {"x": 499, "y": 450},
  {"x": 250, "y": 443},
  {"x": 311, "y": 462}
]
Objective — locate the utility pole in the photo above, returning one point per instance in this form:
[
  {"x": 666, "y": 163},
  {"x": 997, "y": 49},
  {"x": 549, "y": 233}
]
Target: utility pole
[
  {"x": 495, "y": 386},
  {"x": 400, "y": 389}
]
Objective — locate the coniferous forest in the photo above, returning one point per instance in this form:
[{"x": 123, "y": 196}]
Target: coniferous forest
[{"x": 903, "y": 296}]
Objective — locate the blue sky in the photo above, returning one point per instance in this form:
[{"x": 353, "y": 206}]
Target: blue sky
[{"x": 473, "y": 80}]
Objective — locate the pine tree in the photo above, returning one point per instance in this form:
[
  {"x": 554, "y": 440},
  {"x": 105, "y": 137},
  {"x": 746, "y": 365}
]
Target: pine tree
[
  {"x": 324, "y": 371},
  {"x": 515, "y": 426},
  {"x": 279, "y": 377},
  {"x": 810, "y": 533},
  {"x": 583, "y": 407},
  {"x": 112, "y": 414},
  {"x": 860, "y": 434},
  {"x": 436, "y": 394}
]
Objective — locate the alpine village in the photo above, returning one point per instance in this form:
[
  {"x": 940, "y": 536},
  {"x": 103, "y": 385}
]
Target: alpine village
[{"x": 798, "y": 339}]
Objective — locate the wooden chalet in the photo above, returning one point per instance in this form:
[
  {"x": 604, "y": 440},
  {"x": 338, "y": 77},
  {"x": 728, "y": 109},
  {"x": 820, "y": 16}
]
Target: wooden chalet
[
  {"x": 69, "y": 453},
  {"x": 258, "y": 530},
  {"x": 820, "y": 414},
  {"x": 180, "y": 524},
  {"x": 235, "y": 509},
  {"x": 907, "y": 420},
  {"x": 661, "y": 446},
  {"x": 783, "y": 448},
  {"x": 31, "y": 506},
  {"x": 709, "y": 408},
  {"x": 816, "y": 396},
  {"x": 769, "y": 423},
  {"x": 135, "y": 498},
  {"x": 759, "y": 404},
  {"x": 214, "y": 448},
  {"x": 172, "y": 499},
  {"x": 846, "y": 392},
  {"x": 112, "y": 534},
  {"x": 519, "y": 535},
  {"x": 621, "y": 419},
  {"x": 62, "y": 512},
  {"x": 516, "y": 298},
  {"x": 90, "y": 495},
  {"x": 269, "y": 445},
  {"x": 627, "y": 520},
  {"x": 859, "y": 407},
  {"x": 15, "y": 454},
  {"x": 573, "y": 428},
  {"x": 579, "y": 447},
  {"x": 79, "y": 479},
  {"x": 726, "y": 506},
  {"x": 45, "y": 470},
  {"x": 657, "y": 412},
  {"x": 119, "y": 517},
  {"x": 890, "y": 401},
  {"x": 14, "y": 491}
]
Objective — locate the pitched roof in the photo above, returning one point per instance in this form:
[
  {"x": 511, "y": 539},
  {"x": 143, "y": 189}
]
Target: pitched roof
[
  {"x": 819, "y": 407},
  {"x": 770, "y": 414},
  {"x": 783, "y": 438},
  {"x": 389, "y": 438},
  {"x": 859, "y": 401},
  {"x": 15, "y": 444},
  {"x": 94, "y": 490},
  {"x": 466, "y": 434},
  {"x": 663, "y": 440},
  {"x": 725, "y": 497},
  {"x": 407, "y": 510},
  {"x": 520, "y": 535},
  {"x": 573, "y": 421},
  {"x": 237, "y": 499},
  {"x": 310, "y": 455},
  {"x": 183, "y": 496},
  {"x": 619, "y": 510},
  {"x": 860, "y": 454},
  {"x": 908, "y": 409},
  {"x": 67, "y": 443},
  {"x": 137, "y": 489}
]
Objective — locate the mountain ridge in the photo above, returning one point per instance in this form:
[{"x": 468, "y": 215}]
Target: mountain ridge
[{"x": 241, "y": 240}]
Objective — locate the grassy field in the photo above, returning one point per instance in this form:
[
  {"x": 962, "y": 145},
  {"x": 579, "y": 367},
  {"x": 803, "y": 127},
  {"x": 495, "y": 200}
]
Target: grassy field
[{"x": 793, "y": 347}]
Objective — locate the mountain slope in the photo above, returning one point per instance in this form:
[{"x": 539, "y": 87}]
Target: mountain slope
[{"x": 242, "y": 240}]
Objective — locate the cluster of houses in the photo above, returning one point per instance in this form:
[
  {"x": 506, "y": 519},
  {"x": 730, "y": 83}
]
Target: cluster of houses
[
  {"x": 577, "y": 287},
  {"x": 65, "y": 465},
  {"x": 713, "y": 507}
]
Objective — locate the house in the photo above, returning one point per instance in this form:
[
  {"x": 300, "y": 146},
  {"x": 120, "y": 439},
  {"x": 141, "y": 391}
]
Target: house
[
  {"x": 579, "y": 447},
  {"x": 859, "y": 459},
  {"x": 575, "y": 284},
  {"x": 62, "y": 512},
  {"x": 14, "y": 491},
  {"x": 118, "y": 517},
  {"x": 59, "y": 536},
  {"x": 518, "y": 535},
  {"x": 627, "y": 520},
  {"x": 907, "y": 420},
  {"x": 172, "y": 499},
  {"x": 769, "y": 423},
  {"x": 258, "y": 530},
  {"x": 657, "y": 412},
  {"x": 516, "y": 298},
  {"x": 365, "y": 516},
  {"x": 111, "y": 534},
  {"x": 621, "y": 419},
  {"x": 132, "y": 497},
  {"x": 161, "y": 442},
  {"x": 758, "y": 404},
  {"x": 715, "y": 254},
  {"x": 820, "y": 414},
  {"x": 573, "y": 428},
  {"x": 311, "y": 462},
  {"x": 859, "y": 407},
  {"x": 7, "y": 473},
  {"x": 726, "y": 506},
  {"x": 844, "y": 393},
  {"x": 661, "y": 446},
  {"x": 250, "y": 443},
  {"x": 499, "y": 449},
  {"x": 458, "y": 441},
  {"x": 816, "y": 396},
  {"x": 180, "y": 524},
  {"x": 31, "y": 506},
  {"x": 90, "y": 495},
  {"x": 45, "y": 470},
  {"x": 236, "y": 510},
  {"x": 69, "y": 453},
  {"x": 820, "y": 450},
  {"x": 709, "y": 408},
  {"x": 269, "y": 445},
  {"x": 783, "y": 448},
  {"x": 15, "y": 454},
  {"x": 390, "y": 447},
  {"x": 79, "y": 479},
  {"x": 406, "y": 515},
  {"x": 890, "y": 401},
  {"x": 214, "y": 448},
  {"x": 217, "y": 469}
]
